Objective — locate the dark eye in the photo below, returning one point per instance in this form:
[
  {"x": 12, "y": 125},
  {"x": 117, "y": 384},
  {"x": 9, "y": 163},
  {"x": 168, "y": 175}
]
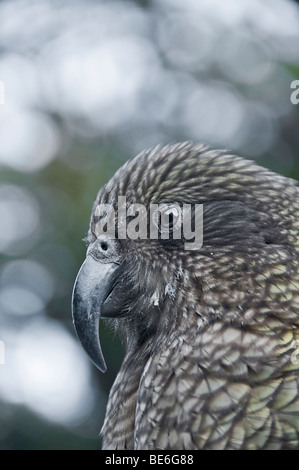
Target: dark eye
[
  {"x": 166, "y": 217},
  {"x": 169, "y": 218}
]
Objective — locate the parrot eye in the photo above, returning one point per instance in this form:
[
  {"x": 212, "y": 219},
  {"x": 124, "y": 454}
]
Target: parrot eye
[{"x": 169, "y": 217}]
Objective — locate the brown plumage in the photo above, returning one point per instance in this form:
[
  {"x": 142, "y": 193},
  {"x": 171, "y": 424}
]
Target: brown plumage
[{"x": 211, "y": 334}]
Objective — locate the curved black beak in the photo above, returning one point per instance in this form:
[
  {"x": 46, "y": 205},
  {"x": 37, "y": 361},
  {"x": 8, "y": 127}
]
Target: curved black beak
[{"x": 92, "y": 287}]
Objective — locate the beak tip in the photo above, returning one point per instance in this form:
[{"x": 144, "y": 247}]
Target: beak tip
[
  {"x": 89, "y": 340},
  {"x": 88, "y": 293},
  {"x": 102, "y": 369},
  {"x": 98, "y": 359}
]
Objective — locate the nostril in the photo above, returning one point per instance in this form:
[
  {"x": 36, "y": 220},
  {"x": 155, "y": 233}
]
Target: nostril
[
  {"x": 103, "y": 249},
  {"x": 104, "y": 245}
]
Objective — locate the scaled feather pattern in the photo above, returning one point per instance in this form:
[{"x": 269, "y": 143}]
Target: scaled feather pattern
[{"x": 210, "y": 334}]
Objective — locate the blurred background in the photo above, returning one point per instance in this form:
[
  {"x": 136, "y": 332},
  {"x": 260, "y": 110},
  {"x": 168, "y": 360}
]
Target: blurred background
[{"x": 85, "y": 85}]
